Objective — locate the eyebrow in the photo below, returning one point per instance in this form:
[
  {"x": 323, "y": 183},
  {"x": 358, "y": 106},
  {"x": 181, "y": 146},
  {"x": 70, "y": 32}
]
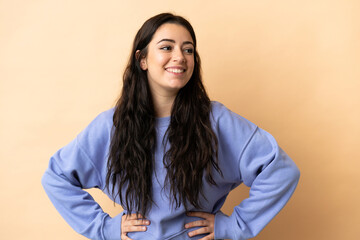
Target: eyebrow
[{"x": 173, "y": 41}]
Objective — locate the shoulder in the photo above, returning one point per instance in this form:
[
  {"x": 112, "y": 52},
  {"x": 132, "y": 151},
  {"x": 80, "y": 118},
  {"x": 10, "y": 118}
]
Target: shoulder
[
  {"x": 99, "y": 130},
  {"x": 223, "y": 118},
  {"x": 104, "y": 117}
]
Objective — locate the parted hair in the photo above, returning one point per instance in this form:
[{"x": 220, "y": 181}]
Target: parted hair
[{"x": 193, "y": 146}]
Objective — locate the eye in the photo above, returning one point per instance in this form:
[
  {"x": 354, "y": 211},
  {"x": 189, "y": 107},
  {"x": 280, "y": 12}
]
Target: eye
[
  {"x": 189, "y": 50},
  {"x": 166, "y": 48}
]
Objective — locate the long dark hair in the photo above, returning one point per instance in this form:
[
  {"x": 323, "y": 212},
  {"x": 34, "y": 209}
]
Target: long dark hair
[{"x": 193, "y": 144}]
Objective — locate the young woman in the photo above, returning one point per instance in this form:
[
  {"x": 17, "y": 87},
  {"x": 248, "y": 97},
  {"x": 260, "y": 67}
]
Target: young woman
[{"x": 168, "y": 154}]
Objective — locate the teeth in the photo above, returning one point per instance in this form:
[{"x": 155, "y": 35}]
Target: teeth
[{"x": 175, "y": 70}]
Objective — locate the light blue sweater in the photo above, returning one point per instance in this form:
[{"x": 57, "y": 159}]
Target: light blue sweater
[{"x": 247, "y": 154}]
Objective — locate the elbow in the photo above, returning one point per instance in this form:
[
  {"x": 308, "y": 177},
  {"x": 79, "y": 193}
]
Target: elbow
[
  {"x": 44, "y": 180},
  {"x": 296, "y": 174},
  {"x": 293, "y": 177}
]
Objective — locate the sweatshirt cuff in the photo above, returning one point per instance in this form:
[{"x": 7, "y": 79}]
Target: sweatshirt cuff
[
  {"x": 112, "y": 227},
  {"x": 223, "y": 226}
]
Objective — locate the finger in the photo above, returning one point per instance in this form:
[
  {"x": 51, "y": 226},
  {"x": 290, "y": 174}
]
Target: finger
[
  {"x": 208, "y": 237},
  {"x": 125, "y": 237},
  {"x": 199, "y": 223},
  {"x": 131, "y": 228},
  {"x": 200, "y": 231},
  {"x": 199, "y": 214},
  {"x": 134, "y": 216},
  {"x": 137, "y": 222}
]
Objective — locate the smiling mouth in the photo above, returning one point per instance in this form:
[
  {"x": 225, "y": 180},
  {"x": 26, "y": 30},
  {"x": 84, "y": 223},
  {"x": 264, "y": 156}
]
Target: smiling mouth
[{"x": 175, "y": 70}]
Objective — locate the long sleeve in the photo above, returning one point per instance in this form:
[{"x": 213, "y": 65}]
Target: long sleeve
[
  {"x": 272, "y": 177},
  {"x": 79, "y": 166}
]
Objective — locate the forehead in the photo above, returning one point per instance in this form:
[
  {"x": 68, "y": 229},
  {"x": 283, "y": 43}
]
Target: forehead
[{"x": 172, "y": 31}]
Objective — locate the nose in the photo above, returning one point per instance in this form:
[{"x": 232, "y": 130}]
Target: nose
[{"x": 178, "y": 56}]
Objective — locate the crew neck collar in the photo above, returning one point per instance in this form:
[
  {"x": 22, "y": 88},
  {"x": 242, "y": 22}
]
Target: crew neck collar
[{"x": 163, "y": 121}]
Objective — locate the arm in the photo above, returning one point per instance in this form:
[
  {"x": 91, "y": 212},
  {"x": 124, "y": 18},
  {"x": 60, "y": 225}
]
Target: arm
[
  {"x": 272, "y": 177},
  {"x": 77, "y": 166},
  {"x": 70, "y": 170}
]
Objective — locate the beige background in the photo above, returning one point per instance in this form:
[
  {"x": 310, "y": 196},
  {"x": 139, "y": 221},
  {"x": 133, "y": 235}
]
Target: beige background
[{"x": 289, "y": 66}]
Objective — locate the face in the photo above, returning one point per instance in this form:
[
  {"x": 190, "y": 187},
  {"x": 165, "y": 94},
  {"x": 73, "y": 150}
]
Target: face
[{"x": 170, "y": 59}]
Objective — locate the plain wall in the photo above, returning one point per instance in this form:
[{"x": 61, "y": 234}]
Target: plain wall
[{"x": 291, "y": 67}]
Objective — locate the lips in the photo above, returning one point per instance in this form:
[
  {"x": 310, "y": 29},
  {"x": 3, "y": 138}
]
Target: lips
[{"x": 175, "y": 70}]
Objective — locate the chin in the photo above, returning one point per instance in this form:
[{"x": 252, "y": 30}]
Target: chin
[{"x": 178, "y": 85}]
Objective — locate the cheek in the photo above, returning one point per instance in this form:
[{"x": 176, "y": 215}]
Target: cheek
[
  {"x": 163, "y": 59},
  {"x": 191, "y": 65},
  {"x": 190, "y": 61},
  {"x": 155, "y": 60},
  {"x": 159, "y": 60}
]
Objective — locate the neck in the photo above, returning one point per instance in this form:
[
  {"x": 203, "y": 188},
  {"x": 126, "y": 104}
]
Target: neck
[{"x": 163, "y": 104}]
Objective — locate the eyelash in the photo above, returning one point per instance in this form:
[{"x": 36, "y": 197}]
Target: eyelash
[
  {"x": 187, "y": 50},
  {"x": 167, "y": 48}
]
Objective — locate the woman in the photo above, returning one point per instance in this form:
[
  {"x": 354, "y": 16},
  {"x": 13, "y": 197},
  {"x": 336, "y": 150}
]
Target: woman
[{"x": 168, "y": 155}]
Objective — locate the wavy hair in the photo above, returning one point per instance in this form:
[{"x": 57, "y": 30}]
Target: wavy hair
[{"x": 193, "y": 146}]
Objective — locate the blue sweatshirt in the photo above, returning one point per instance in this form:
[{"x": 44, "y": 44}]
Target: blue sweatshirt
[{"x": 247, "y": 154}]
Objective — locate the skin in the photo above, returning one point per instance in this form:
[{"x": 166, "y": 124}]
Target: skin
[
  {"x": 208, "y": 225},
  {"x": 171, "y": 49},
  {"x": 133, "y": 223},
  {"x": 169, "y": 64}
]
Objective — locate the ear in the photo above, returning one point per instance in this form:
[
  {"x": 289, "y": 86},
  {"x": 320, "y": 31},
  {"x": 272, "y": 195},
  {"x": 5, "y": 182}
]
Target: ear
[
  {"x": 142, "y": 61},
  {"x": 143, "y": 64}
]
